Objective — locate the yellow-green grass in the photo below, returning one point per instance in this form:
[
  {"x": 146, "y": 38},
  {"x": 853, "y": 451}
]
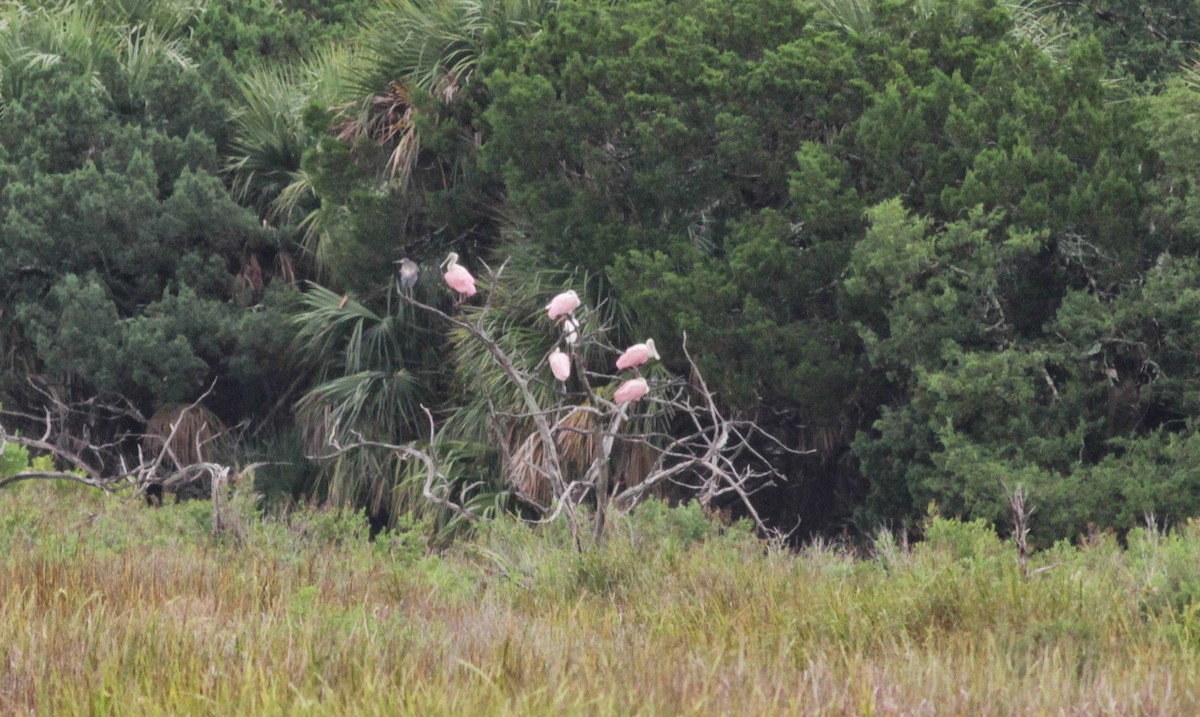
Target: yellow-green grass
[{"x": 109, "y": 607}]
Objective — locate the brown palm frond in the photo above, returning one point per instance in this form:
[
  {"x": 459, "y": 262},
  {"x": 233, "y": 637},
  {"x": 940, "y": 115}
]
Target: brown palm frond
[
  {"x": 250, "y": 277},
  {"x": 634, "y": 461},
  {"x": 195, "y": 433},
  {"x": 577, "y": 441},
  {"x": 389, "y": 118},
  {"x": 285, "y": 267},
  {"x": 528, "y": 470},
  {"x": 529, "y": 465}
]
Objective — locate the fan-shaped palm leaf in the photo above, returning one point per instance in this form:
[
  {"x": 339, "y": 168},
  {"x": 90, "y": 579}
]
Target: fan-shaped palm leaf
[
  {"x": 366, "y": 389},
  {"x": 1033, "y": 21},
  {"x": 426, "y": 46},
  {"x": 271, "y": 136},
  {"x": 347, "y": 404},
  {"x": 190, "y": 429},
  {"x": 139, "y": 35}
]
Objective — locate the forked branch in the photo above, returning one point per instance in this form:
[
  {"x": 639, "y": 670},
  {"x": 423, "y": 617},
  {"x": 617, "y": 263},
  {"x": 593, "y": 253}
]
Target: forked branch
[{"x": 713, "y": 455}]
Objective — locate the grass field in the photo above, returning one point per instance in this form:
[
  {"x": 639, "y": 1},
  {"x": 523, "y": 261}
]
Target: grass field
[{"x": 114, "y": 608}]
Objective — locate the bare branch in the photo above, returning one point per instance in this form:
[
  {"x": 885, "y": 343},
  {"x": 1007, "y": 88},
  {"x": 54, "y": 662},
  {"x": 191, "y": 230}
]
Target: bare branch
[
  {"x": 521, "y": 381},
  {"x": 437, "y": 486},
  {"x": 51, "y": 475},
  {"x": 714, "y": 455},
  {"x": 84, "y": 459}
]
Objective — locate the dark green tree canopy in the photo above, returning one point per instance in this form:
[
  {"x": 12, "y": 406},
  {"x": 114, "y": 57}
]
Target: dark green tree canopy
[
  {"x": 887, "y": 229},
  {"x": 950, "y": 246},
  {"x": 127, "y": 265}
]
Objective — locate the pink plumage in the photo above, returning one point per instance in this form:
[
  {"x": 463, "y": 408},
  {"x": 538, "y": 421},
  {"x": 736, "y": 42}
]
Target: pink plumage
[
  {"x": 458, "y": 278},
  {"x": 637, "y": 355},
  {"x": 631, "y": 390},
  {"x": 562, "y": 305},
  {"x": 560, "y": 365}
]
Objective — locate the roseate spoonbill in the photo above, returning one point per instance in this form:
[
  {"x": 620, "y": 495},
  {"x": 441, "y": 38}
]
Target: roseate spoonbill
[
  {"x": 631, "y": 390},
  {"x": 560, "y": 365},
  {"x": 457, "y": 277},
  {"x": 570, "y": 330},
  {"x": 637, "y": 355},
  {"x": 409, "y": 273},
  {"x": 562, "y": 305}
]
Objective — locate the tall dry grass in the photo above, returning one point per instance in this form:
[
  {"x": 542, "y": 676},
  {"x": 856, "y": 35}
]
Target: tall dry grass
[{"x": 114, "y": 608}]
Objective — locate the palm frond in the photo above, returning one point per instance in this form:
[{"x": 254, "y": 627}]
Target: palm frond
[
  {"x": 143, "y": 49},
  {"x": 270, "y": 140},
  {"x": 168, "y": 18},
  {"x": 271, "y": 136},
  {"x": 377, "y": 404},
  {"x": 854, "y": 17},
  {"x": 1036, "y": 23},
  {"x": 195, "y": 428},
  {"x": 139, "y": 34},
  {"x": 366, "y": 386},
  {"x": 431, "y": 47},
  {"x": 329, "y": 330},
  {"x": 1033, "y": 20},
  {"x": 34, "y": 39}
]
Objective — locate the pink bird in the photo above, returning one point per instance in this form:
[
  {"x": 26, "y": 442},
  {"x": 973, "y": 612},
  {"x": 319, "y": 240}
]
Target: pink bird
[
  {"x": 458, "y": 278},
  {"x": 631, "y": 390},
  {"x": 637, "y": 355},
  {"x": 560, "y": 365},
  {"x": 562, "y": 305}
]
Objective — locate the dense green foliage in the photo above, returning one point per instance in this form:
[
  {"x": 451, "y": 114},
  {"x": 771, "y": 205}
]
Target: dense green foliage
[
  {"x": 943, "y": 247},
  {"x": 1147, "y": 40},
  {"x": 127, "y": 267},
  {"x": 1009, "y": 311}
]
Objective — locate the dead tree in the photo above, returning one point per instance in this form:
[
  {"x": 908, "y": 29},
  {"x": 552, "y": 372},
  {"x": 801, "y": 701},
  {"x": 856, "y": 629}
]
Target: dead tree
[
  {"x": 714, "y": 456},
  {"x": 106, "y": 465}
]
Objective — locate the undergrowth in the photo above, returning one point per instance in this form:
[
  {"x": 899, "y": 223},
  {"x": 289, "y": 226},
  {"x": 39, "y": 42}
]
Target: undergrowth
[{"x": 111, "y": 607}]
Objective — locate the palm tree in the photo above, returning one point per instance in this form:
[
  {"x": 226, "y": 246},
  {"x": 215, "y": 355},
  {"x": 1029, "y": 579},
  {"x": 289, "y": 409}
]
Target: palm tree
[
  {"x": 33, "y": 39},
  {"x": 137, "y": 34},
  {"x": 271, "y": 138},
  {"x": 409, "y": 62},
  {"x": 492, "y": 409},
  {"x": 1033, "y": 20},
  {"x": 429, "y": 48},
  {"x": 366, "y": 366}
]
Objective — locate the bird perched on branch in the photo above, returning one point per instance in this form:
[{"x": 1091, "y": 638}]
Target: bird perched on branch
[
  {"x": 637, "y": 355},
  {"x": 408, "y": 273},
  {"x": 631, "y": 390},
  {"x": 570, "y": 330},
  {"x": 458, "y": 278},
  {"x": 560, "y": 364},
  {"x": 562, "y": 305}
]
